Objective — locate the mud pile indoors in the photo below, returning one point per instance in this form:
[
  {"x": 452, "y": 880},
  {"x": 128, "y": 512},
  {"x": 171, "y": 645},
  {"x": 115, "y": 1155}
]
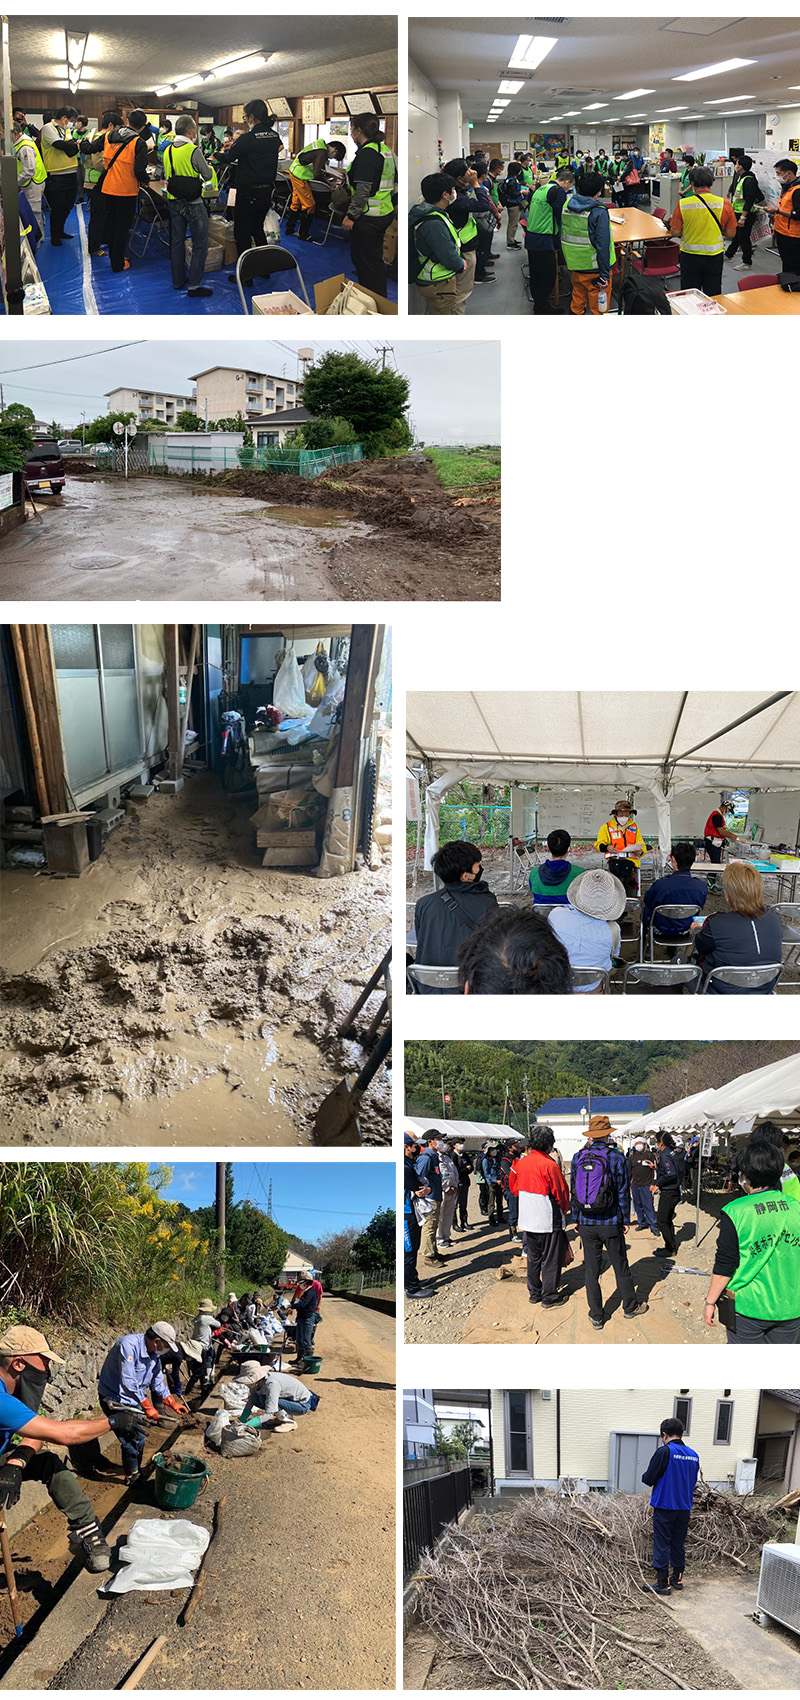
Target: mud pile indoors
[{"x": 201, "y": 1001}]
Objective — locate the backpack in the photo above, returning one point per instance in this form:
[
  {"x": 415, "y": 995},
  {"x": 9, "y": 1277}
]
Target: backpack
[
  {"x": 594, "y": 1188},
  {"x": 644, "y": 295}
]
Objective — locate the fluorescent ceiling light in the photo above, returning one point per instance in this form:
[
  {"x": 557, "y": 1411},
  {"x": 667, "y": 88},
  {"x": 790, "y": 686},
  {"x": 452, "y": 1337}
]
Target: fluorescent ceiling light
[
  {"x": 660, "y": 110},
  {"x": 160, "y": 93},
  {"x": 502, "y": 103},
  {"x": 595, "y": 106},
  {"x": 252, "y": 62},
  {"x": 633, "y": 94},
  {"x": 510, "y": 88},
  {"x": 740, "y": 112},
  {"x": 714, "y": 70},
  {"x": 572, "y": 114},
  {"x": 530, "y": 51},
  {"x": 624, "y": 116},
  {"x": 722, "y": 100}
]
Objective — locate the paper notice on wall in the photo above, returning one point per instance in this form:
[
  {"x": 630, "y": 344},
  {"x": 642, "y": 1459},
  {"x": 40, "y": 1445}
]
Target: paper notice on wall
[
  {"x": 413, "y": 803},
  {"x": 764, "y": 172}
]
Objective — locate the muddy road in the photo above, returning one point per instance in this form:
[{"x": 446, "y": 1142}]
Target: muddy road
[
  {"x": 300, "y": 1586},
  {"x": 379, "y": 530},
  {"x": 180, "y": 992}
]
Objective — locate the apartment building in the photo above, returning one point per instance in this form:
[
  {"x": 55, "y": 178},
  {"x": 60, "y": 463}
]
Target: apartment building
[
  {"x": 149, "y": 404},
  {"x": 229, "y": 390}
]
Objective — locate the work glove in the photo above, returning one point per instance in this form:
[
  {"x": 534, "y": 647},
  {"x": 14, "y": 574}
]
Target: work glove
[
  {"x": 150, "y": 1411},
  {"x": 126, "y": 1420},
  {"x": 10, "y": 1485},
  {"x": 175, "y": 1404}
]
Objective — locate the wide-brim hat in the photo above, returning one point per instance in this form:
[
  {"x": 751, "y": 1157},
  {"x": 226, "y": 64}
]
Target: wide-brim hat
[
  {"x": 191, "y": 1349},
  {"x": 599, "y": 1125},
  {"x": 207, "y": 1307},
  {"x": 622, "y": 803},
  {"x": 599, "y": 894}
]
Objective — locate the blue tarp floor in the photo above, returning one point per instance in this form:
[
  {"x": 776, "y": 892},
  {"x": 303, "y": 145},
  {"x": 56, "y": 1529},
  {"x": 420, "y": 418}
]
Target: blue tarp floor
[{"x": 76, "y": 284}]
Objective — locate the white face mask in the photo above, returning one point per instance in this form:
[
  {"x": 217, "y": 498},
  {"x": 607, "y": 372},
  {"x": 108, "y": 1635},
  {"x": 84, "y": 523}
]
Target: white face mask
[{"x": 623, "y": 819}]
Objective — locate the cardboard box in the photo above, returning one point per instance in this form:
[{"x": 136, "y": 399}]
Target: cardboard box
[
  {"x": 279, "y": 302},
  {"x": 390, "y": 244},
  {"x": 290, "y": 858},
  {"x": 327, "y": 291},
  {"x": 214, "y": 258}
]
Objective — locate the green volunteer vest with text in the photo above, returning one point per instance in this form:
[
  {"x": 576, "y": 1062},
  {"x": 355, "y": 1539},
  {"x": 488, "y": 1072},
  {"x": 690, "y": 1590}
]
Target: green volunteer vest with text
[
  {"x": 701, "y": 234},
  {"x": 767, "y": 1281},
  {"x": 380, "y": 205},
  {"x": 93, "y": 168},
  {"x": 527, "y": 177},
  {"x": 541, "y": 218},
  {"x": 39, "y": 175},
  {"x": 468, "y": 231},
  {"x": 737, "y": 199},
  {"x": 432, "y": 270},
  {"x": 576, "y": 243}
]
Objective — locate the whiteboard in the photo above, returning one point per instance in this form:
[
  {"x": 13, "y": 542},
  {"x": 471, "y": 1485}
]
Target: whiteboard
[{"x": 579, "y": 812}]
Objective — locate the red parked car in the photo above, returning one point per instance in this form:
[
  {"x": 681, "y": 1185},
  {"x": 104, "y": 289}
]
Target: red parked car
[{"x": 45, "y": 473}]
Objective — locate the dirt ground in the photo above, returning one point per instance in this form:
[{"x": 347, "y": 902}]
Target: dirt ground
[
  {"x": 379, "y": 531},
  {"x": 179, "y": 991},
  {"x": 471, "y": 1306},
  {"x": 300, "y": 1590}
]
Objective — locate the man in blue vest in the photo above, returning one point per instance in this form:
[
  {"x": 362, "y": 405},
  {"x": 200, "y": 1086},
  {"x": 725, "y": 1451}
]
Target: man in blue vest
[{"x": 672, "y": 1474}]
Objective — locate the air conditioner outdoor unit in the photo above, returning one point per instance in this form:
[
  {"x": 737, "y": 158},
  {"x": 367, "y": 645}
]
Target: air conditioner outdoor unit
[
  {"x": 573, "y": 1484},
  {"x": 779, "y": 1584}
]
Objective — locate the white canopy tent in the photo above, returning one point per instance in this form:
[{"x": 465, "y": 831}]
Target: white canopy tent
[
  {"x": 686, "y": 1113},
  {"x": 770, "y": 1092},
  {"x": 478, "y": 1131},
  {"x": 664, "y": 742}
]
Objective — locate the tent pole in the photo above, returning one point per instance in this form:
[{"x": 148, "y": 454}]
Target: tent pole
[
  {"x": 697, "y": 1196},
  {"x": 674, "y": 732},
  {"x": 769, "y": 702}
]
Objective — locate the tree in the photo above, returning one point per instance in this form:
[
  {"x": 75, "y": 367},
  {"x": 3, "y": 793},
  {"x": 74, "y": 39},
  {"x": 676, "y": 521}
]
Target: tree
[
  {"x": 16, "y": 441},
  {"x": 468, "y": 1434},
  {"x": 395, "y": 440},
  {"x": 16, "y": 412},
  {"x": 234, "y": 422},
  {"x": 343, "y": 386},
  {"x": 446, "y": 1446},
  {"x": 335, "y": 1251},
  {"x": 328, "y": 434},
  {"x": 375, "y": 1248},
  {"x": 256, "y": 1243},
  {"x": 187, "y": 421},
  {"x": 56, "y": 430},
  {"x": 102, "y": 430}
]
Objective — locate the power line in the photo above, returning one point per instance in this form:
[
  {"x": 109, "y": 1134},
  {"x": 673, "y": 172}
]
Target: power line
[{"x": 38, "y": 364}]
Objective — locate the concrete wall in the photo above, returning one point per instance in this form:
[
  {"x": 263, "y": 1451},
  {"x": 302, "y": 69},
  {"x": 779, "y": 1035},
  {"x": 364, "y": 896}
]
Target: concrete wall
[
  {"x": 423, "y": 130},
  {"x": 587, "y": 1420}
]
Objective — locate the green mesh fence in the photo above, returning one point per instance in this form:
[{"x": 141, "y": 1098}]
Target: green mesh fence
[{"x": 211, "y": 458}]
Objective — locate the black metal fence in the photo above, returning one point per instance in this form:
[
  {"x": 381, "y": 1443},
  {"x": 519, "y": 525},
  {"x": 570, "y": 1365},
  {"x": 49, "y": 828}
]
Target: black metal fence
[{"x": 428, "y": 1507}]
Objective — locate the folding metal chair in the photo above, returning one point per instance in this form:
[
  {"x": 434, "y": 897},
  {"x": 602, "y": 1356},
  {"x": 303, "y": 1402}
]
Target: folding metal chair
[
  {"x": 442, "y": 979},
  {"x": 790, "y": 917},
  {"x": 632, "y": 913},
  {"x": 265, "y": 262},
  {"x": 153, "y": 212},
  {"x": 673, "y": 912},
  {"x": 586, "y": 979},
  {"x": 748, "y": 979},
  {"x": 662, "y": 975}
]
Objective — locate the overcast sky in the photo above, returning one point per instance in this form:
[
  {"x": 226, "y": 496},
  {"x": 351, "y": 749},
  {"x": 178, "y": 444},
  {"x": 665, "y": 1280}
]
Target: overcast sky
[{"x": 455, "y": 386}]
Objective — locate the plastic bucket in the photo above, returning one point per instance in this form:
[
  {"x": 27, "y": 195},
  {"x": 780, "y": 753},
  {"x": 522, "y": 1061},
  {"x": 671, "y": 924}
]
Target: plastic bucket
[
  {"x": 178, "y": 1484},
  {"x": 312, "y": 1366}
]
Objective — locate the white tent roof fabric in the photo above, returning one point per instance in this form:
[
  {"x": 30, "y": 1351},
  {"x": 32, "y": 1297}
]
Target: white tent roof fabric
[
  {"x": 770, "y": 1091},
  {"x": 459, "y": 1130},
  {"x": 614, "y": 738}
]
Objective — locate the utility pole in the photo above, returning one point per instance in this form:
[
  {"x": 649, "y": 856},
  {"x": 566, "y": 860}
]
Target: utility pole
[
  {"x": 220, "y": 1208},
  {"x": 383, "y": 351},
  {"x": 269, "y": 1202}
]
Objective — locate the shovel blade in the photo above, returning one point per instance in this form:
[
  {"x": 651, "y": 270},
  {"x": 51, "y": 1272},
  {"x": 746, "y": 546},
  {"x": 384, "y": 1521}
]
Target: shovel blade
[{"x": 336, "y": 1120}]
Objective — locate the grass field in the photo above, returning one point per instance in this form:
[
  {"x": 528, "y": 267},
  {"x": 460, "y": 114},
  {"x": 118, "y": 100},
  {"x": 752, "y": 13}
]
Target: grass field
[{"x": 461, "y": 469}]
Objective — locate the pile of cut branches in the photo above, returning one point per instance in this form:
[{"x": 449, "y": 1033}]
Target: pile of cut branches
[{"x": 550, "y": 1595}]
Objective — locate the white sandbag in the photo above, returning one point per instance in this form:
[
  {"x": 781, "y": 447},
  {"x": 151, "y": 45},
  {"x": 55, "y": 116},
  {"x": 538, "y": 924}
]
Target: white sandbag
[
  {"x": 133, "y": 1578},
  {"x": 234, "y": 1395},
  {"x": 162, "y": 1534},
  {"x": 219, "y": 1421},
  {"x": 159, "y": 1554}
]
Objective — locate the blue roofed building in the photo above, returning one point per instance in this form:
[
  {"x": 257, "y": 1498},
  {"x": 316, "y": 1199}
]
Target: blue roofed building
[{"x": 569, "y": 1117}]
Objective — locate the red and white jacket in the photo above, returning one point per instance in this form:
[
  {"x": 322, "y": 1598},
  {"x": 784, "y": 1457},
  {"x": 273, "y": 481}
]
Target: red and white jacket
[{"x": 542, "y": 1191}]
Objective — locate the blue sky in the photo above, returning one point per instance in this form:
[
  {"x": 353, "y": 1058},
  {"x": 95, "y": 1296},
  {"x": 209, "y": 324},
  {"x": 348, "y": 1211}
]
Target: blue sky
[{"x": 308, "y": 1199}]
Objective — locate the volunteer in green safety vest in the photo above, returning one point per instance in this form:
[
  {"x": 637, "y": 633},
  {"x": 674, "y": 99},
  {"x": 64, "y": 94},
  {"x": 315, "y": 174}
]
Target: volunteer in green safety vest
[
  {"x": 31, "y": 174},
  {"x": 434, "y": 246},
  {"x": 757, "y": 1259},
  {"x": 542, "y": 237},
  {"x": 184, "y": 162},
  {"x": 701, "y": 220},
  {"x": 588, "y": 246},
  {"x": 461, "y": 214},
  {"x": 746, "y": 197},
  {"x": 373, "y": 180},
  {"x": 688, "y": 162}
]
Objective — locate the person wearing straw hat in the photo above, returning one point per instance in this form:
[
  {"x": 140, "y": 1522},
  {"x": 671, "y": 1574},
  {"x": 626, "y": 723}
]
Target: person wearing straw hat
[
  {"x": 586, "y": 923},
  {"x": 25, "y": 1372}
]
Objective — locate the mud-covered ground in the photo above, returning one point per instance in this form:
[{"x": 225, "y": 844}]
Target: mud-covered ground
[
  {"x": 379, "y": 530},
  {"x": 179, "y": 990}
]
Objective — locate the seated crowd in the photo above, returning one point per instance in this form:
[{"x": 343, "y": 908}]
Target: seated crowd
[{"x": 502, "y": 949}]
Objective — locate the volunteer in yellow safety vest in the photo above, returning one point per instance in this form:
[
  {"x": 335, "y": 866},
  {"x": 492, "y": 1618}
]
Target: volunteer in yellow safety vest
[
  {"x": 30, "y": 171},
  {"x": 59, "y": 151},
  {"x": 434, "y": 245},
  {"x": 308, "y": 166},
  {"x": 701, "y": 221},
  {"x": 188, "y": 173},
  {"x": 373, "y": 180},
  {"x": 620, "y": 836}
]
